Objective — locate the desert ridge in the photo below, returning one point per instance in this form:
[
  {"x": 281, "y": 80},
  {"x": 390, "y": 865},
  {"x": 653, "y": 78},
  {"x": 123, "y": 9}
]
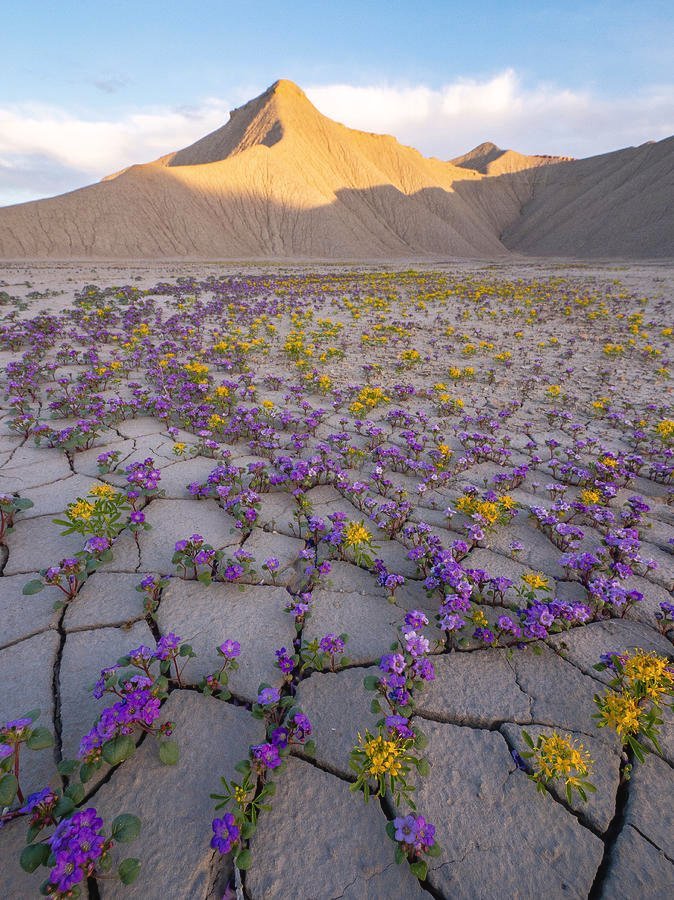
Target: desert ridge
[{"x": 282, "y": 181}]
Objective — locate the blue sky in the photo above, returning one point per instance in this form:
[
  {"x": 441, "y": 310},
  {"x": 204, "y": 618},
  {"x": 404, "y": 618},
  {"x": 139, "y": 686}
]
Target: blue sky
[{"x": 144, "y": 77}]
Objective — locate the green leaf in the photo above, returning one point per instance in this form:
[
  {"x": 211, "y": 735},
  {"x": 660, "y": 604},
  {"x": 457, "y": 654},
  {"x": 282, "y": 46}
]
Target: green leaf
[
  {"x": 75, "y": 791},
  {"x": 40, "y": 739},
  {"x": 33, "y": 856},
  {"x": 423, "y": 767},
  {"x": 527, "y": 738},
  {"x": 128, "y": 870},
  {"x": 32, "y": 587},
  {"x": 244, "y": 859},
  {"x": 8, "y": 788},
  {"x": 390, "y": 830},
  {"x": 118, "y": 749},
  {"x": 420, "y": 869},
  {"x": 169, "y": 752},
  {"x": 248, "y": 831},
  {"x": 399, "y": 856},
  {"x": 67, "y": 766},
  {"x": 64, "y": 807},
  {"x": 32, "y": 833},
  {"x": 420, "y": 740},
  {"x": 243, "y": 766},
  {"x": 87, "y": 770},
  {"x": 370, "y": 682},
  {"x": 125, "y": 828},
  {"x": 637, "y": 749}
]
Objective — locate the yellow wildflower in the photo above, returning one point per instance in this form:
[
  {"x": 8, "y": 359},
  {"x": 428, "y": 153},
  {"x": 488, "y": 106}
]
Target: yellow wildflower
[
  {"x": 355, "y": 534},
  {"x": 590, "y": 497},
  {"x": 102, "y": 490},
  {"x": 479, "y": 619},
  {"x": 649, "y": 675},
  {"x": 535, "y": 580},
  {"x": 665, "y": 429},
  {"x": 384, "y": 756},
  {"x": 621, "y": 713},
  {"x": 562, "y": 757},
  {"x": 81, "y": 509}
]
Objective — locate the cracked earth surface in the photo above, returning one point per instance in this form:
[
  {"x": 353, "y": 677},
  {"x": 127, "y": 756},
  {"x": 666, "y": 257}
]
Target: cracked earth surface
[{"x": 499, "y": 836}]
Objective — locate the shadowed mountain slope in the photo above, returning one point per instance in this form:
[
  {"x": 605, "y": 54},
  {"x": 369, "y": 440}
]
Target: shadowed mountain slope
[{"x": 617, "y": 204}]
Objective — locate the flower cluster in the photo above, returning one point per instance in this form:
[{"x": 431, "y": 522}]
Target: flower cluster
[
  {"x": 404, "y": 670},
  {"x": 382, "y": 763},
  {"x": 140, "y": 682},
  {"x": 216, "y": 683},
  {"x": 99, "y": 514},
  {"x": 68, "y": 576},
  {"x": 414, "y": 837},
  {"x": 324, "y": 653},
  {"x": 632, "y": 706},
  {"x": 554, "y": 757},
  {"x": 286, "y": 727},
  {"x": 78, "y": 849},
  {"x": 194, "y": 555}
]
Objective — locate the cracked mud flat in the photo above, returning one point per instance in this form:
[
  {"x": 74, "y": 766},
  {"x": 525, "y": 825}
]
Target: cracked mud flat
[{"x": 499, "y": 836}]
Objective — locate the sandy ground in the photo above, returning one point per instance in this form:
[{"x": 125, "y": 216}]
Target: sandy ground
[
  {"x": 497, "y": 833},
  {"x": 652, "y": 277}
]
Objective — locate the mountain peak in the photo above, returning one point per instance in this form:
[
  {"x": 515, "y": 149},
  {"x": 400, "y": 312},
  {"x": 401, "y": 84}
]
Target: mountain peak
[
  {"x": 261, "y": 121},
  {"x": 479, "y": 157},
  {"x": 487, "y": 147},
  {"x": 488, "y": 159},
  {"x": 286, "y": 88}
]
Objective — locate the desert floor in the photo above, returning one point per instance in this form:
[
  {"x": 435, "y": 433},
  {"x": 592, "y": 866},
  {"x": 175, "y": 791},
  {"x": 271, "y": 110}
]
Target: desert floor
[{"x": 552, "y": 376}]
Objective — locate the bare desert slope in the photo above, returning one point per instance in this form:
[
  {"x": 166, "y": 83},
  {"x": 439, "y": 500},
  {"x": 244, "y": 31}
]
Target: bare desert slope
[
  {"x": 280, "y": 180},
  {"x": 617, "y": 204}
]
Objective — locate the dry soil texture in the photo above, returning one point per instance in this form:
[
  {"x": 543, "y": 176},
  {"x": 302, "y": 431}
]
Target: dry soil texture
[{"x": 483, "y": 372}]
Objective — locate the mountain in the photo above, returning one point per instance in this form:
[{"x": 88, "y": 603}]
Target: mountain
[
  {"x": 280, "y": 180},
  {"x": 616, "y": 205},
  {"x": 491, "y": 160}
]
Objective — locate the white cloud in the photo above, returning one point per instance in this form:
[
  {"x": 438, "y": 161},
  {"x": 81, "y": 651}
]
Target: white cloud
[
  {"x": 46, "y": 149},
  {"x": 99, "y": 147},
  {"x": 543, "y": 119}
]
